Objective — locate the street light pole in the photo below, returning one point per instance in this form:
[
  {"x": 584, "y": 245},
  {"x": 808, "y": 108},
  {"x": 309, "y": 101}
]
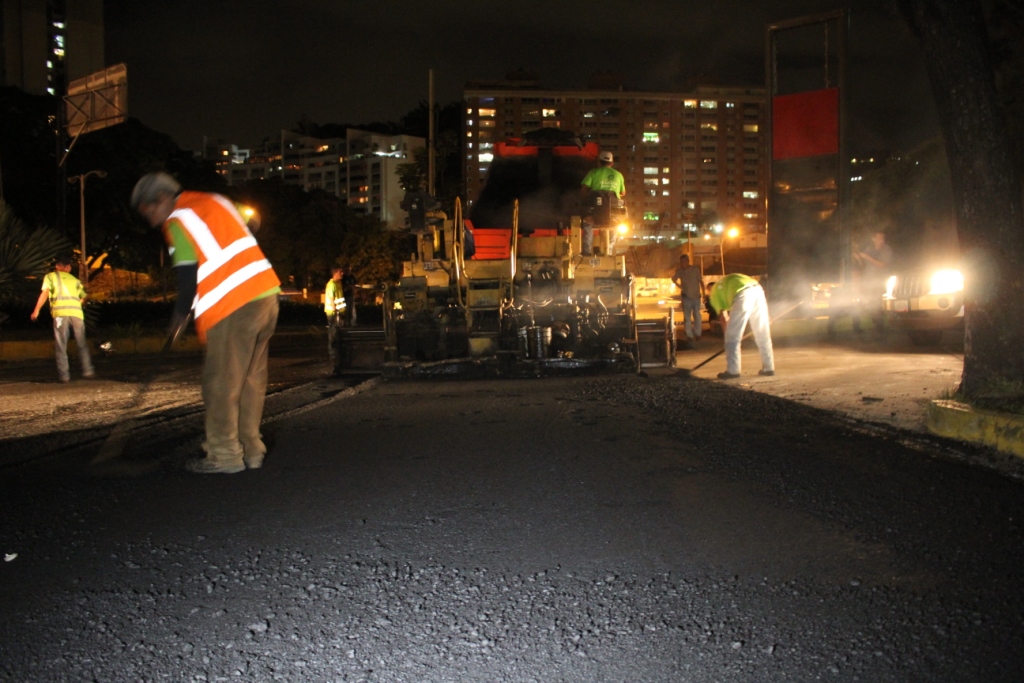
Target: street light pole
[{"x": 83, "y": 268}]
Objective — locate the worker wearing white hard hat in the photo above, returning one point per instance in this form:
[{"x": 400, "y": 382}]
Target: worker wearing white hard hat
[{"x": 603, "y": 179}]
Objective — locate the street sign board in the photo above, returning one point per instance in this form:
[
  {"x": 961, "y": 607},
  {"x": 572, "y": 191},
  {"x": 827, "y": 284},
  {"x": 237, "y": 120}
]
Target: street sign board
[{"x": 97, "y": 100}]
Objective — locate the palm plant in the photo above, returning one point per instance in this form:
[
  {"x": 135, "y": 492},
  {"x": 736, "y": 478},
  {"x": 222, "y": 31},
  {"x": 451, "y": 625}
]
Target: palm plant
[{"x": 24, "y": 252}]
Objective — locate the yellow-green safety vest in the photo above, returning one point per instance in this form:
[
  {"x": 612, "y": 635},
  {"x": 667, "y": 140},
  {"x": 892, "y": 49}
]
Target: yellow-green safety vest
[{"x": 66, "y": 294}]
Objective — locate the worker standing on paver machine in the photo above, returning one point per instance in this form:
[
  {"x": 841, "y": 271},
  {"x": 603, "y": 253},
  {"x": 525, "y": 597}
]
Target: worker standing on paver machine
[
  {"x": 739, "y": 299},
  {"x": 65, "y": 293},
  {"x": 230, "y": 286},
  {"x": 600, "y": 184}
]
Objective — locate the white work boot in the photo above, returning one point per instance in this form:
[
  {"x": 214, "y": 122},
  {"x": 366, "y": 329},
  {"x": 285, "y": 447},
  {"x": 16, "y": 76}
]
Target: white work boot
[{"x": 254, "y": 452}]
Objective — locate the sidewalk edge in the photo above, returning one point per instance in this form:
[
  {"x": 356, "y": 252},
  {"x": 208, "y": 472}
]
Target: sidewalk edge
[{"x": 959, "y": 421}]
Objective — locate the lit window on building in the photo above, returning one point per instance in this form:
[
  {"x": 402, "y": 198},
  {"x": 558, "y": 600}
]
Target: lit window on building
[
  {"x": 650, "y": 181},
  {"x": 666, "y": 169},
  {"x": 487, "y": 112},
  {"x": 664, "y": 193},
  {"x": 651, "y": 137},
  {"x": 487, "y": 123},
  {"x": 589, "y": 114},
  {"x": 650, "y": 170},
  {"x": 750, "y": 215},
  {"x": 708, "y": 104},
  {"x": 665, "y": 181},
  {"x": 730, "y": 105},
  {"x": 549, "y": 113},
  {"x": 469, "y": 122},
  {"x": 651, "y": 216},
  {"x": 486, "y": 158},
  {"x": 750, "y": 195},
  {"x": 690, "y": 104},
  {"x": 709, "y": 126},
  {"x": 750, "y": 128}
]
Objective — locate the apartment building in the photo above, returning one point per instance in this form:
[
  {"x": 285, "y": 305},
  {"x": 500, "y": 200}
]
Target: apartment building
[
  {"x": 360, "y": 168},
  {"x": 44, "y": 44},
  {"x": 687, "y": 158}
]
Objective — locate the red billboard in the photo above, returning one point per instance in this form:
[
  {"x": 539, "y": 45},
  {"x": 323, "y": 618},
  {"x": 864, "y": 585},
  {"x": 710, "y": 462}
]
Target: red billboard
[{"x": 805, "y": 124}]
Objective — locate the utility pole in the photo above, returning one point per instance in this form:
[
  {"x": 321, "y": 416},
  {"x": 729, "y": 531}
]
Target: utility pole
[{"x": 83, "y": 268}]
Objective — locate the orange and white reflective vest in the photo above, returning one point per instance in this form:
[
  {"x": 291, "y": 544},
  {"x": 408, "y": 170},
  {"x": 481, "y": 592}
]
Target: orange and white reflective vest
[{"x": 232, "y": 270}]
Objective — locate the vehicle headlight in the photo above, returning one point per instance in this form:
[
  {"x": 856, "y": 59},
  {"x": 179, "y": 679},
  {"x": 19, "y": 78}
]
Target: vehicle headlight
[
  {"x": 947, "y": 282},
  {"x": 890, "y": 285}
]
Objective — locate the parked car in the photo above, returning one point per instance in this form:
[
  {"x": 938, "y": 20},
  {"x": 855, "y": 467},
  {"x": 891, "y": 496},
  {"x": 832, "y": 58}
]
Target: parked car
[{"x": 925, "y": 303}]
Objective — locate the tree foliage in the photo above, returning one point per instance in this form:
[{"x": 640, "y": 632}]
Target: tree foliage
[
  {"x": 305, "y": 234},
  {"x": 25, "y": 253}
]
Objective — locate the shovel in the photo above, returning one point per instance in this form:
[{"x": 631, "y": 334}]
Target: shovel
[{"x": 118, "y": 438}]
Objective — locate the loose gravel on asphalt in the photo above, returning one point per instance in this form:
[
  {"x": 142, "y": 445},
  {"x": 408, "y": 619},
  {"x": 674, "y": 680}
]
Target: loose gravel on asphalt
[{"x": 621, "y": 528}]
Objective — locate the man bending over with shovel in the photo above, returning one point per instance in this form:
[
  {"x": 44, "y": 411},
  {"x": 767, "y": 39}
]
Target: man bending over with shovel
[
  {"x": 739, "y": 299},
  {"x": 234, "y": 289}
]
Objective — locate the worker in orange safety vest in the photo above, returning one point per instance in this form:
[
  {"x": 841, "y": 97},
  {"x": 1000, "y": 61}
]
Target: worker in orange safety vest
[{"x": 229, "y": 285}]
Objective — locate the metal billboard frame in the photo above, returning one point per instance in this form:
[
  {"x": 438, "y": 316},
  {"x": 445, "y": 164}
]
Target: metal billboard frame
[
  {"x": 95, "y": 102},
  {"x": 841, "y": 17}
]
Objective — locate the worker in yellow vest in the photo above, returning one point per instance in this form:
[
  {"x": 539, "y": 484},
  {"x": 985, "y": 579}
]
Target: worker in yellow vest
[
  {"x": 230, "y": 287},
  {"x": 65, "y": 294},
  {"x": 334, "y": 308}
]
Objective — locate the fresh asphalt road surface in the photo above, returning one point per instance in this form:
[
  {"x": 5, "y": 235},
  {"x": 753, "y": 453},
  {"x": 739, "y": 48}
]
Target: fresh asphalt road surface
[{"x": 622, "y": 528}]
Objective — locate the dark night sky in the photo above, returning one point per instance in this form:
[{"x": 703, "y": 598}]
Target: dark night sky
[{"x": 240, "y": 70}]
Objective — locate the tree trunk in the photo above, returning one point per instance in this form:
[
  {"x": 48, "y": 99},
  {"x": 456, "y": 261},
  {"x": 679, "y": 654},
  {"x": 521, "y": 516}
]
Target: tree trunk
[{"x": 986, "y": 191}]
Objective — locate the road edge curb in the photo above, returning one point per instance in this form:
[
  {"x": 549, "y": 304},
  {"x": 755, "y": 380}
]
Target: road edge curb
[{"x": 959, "y": 421}]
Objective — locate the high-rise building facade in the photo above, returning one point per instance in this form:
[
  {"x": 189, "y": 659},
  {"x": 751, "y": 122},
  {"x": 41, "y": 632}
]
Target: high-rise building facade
[
  {"x": 688, "y": 159},
  {"x": 44, "y": 44},
  {"x": 361, "y": 168}
]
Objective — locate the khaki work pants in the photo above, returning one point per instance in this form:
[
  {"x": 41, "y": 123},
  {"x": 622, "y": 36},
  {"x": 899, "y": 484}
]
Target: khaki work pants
[{"x": 235, "y": 382}]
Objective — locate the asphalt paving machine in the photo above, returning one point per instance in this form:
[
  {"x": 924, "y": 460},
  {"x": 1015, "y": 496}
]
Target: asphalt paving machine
[{"x": 509, "y": 283}]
